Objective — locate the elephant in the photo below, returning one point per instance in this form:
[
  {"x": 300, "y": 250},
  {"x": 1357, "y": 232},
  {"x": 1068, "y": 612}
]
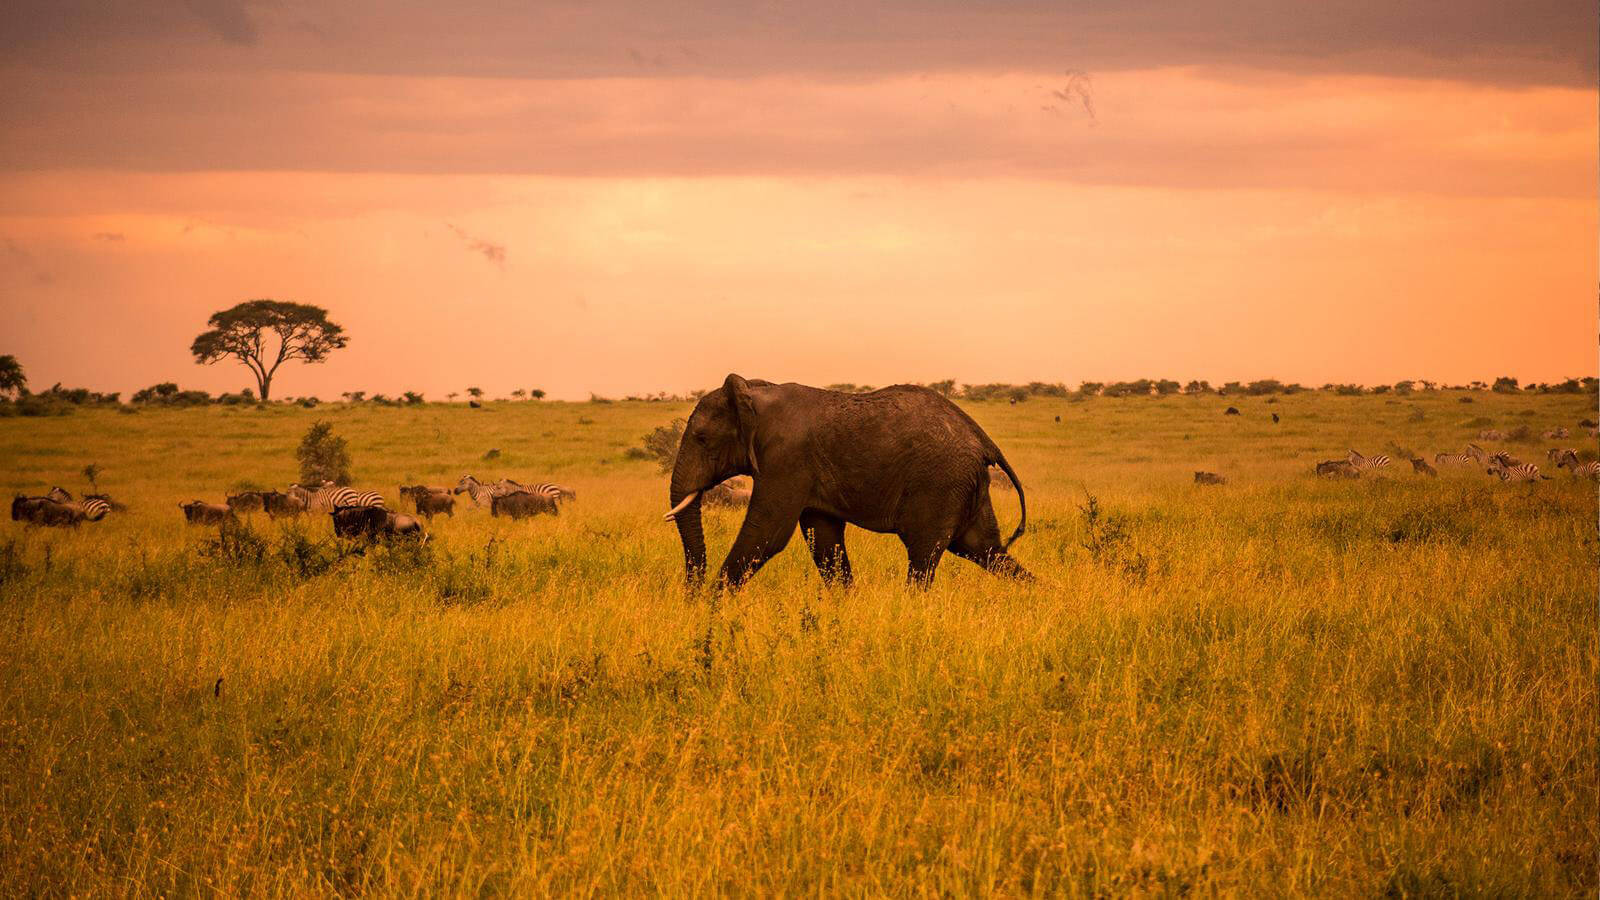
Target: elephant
[{"x": 902, "y": 460}]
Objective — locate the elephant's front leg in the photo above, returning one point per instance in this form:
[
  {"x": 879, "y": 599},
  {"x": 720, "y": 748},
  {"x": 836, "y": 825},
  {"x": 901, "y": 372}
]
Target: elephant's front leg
[
  {"x": 825, "y": 535},
  {"x": 768, "y": 526}
]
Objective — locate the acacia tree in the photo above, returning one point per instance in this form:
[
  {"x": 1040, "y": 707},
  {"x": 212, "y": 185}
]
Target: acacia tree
[
  {"x": 12, "y": 379},
  {"x": 303, "y": 332}
]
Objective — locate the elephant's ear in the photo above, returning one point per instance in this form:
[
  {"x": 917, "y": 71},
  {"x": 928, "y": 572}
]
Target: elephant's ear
[{"x": 743, "y": 407}]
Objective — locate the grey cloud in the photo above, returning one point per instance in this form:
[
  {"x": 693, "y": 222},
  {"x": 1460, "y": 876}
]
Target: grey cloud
[
  {"x": 1535, "y": 42},
  {"x": 227, "y": 18},
  {"x": 494, "y": 253}
]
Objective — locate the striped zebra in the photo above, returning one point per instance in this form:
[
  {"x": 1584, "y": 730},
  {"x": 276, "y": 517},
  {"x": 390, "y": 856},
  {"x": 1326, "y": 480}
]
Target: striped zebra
[
  {"x": 549, "y": 489},
  {"x": 329, "y": 497},
  {"x": 1454, "y": 459},
  {"x": 483, "y": 494},
  {"x": 1510, "y": 469},
  {"x": 1579, "y": 469},
  {"x": 93, "y": 508},
  {"x": 1367, "y": 463}
]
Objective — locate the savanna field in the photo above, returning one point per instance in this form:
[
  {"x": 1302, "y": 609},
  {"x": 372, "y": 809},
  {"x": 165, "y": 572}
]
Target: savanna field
[{"x": 1281, "y": 685}]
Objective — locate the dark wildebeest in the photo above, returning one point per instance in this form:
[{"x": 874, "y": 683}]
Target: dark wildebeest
[
  {"x": 278, "y": 504},
  {"x": 46, "y": 512},
  {"x": 430, "y": 501},
  {"x": 1421, "y": 467},
  {"x": 246, "y": 502},
  {"x": 730, "y": 493},
  {"x": 1274, "y": 418},
  {"x": 522, "y": 504},
  {"x": 1231, "y": 411},
  {"x": 199, "y": 512},
  {"x": 1209, "y": 478},
  {"x": 373, "y": 522},
  {"x": 1337, "y": 468}
]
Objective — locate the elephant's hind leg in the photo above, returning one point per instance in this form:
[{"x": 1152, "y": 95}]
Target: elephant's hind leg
[
  {"x": 825, "y": 536},
  {"x": 980, "y": 542}
]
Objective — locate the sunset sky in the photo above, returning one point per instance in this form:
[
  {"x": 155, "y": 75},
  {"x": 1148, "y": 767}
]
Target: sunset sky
[{"x": 621, "y": 197}]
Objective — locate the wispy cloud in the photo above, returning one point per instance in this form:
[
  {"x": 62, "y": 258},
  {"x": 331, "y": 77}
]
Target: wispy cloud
[
  {"x": 227, "y": 18},
  {"x": 113, "y": 237},
  {"x": 494, "y": 253}
]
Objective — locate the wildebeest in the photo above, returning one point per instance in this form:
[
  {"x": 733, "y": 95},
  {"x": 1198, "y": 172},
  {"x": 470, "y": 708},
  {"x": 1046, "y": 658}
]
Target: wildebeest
[
  {"x": 1209, "y": 478},
  {"x": 373, "y": 522},
  {"x": 1337, "y": 468},
  {"x": 430, "y": 501},
  {"x": 245, "y": 502},
  {"x": 199, "y": 512},
  {"x": 521, "y": 504},
  {"x": 733, "y": 493},
  {"x": 1274, "y": 418},
  {"x": 46, "y": 512},
  {"x": 1231, "y": 411},
  {"x": 1421, "y": 467},
  {"x": 279, "y": 504}
]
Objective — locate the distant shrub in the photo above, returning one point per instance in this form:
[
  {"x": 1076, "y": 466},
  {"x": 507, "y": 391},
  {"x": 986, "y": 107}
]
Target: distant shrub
[
  {"x": 1348, "y": 390},
  {"x": 596, "y": 398},
  {"x": 1505, "y": 384},
  {"x": 944, "y": 388},
  {"x": 412, "y": 398},
  {"x": 661, "y": 445},
  {"x": 1264, "y": 386},
  {"x": 1167, "y": 386},
  {"x": 1090, "y": 389},
  {"x": 323, "y": 456},
  {"x": 1138, "y": 388}
]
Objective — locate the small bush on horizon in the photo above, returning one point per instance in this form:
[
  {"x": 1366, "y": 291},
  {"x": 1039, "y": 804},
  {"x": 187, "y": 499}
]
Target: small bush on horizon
[{"x": 323, "y": 456}]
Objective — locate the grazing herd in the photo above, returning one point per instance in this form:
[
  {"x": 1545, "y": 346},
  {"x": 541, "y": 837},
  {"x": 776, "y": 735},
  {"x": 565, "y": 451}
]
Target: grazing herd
[
  {"x": 1501, "y": 465},
  {"x": 57, "y": 509},
  {"x": 357, "y": 513}
]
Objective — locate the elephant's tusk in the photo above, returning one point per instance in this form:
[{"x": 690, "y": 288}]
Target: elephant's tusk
[{"x": 682, "y": 505}]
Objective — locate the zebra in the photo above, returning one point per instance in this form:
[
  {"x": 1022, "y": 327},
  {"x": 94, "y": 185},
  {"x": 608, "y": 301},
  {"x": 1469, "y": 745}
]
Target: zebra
[
  {"x": 1454, "y": 459},
  {"x": 330, "y": 496},
  {"x": 1478, "y": 454},
  {"x": 483, "y": 494},
  {"x": 1510, "y": 469},
  {"x": 93, "y": 507},
  {"x": 549, "y": 489},
  {"x": 1367, "y": 463},
  {"x": 1569, "y": 461}
]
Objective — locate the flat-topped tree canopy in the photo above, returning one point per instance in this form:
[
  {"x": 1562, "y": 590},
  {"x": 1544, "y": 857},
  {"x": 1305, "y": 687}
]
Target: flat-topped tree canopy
[{"x": 243, "y": 332}]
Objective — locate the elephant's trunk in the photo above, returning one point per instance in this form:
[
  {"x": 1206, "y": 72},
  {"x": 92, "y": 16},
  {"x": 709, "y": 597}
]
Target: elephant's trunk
[{"x": 693, "y": 536}]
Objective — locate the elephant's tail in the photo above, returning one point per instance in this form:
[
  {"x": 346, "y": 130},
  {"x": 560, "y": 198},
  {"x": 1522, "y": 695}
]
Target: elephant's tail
[{"x": 1022, "y": 499}]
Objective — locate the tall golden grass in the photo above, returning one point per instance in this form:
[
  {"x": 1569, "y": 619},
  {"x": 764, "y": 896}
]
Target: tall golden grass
[{"x": 1277, "y": 686}]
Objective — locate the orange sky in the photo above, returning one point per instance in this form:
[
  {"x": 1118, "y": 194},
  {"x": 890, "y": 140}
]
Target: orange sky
[{"x": 607, "y": 197}]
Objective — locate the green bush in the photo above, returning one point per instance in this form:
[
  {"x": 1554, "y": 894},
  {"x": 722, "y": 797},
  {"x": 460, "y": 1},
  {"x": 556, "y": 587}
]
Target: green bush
[{"x": 323, "y": 456}]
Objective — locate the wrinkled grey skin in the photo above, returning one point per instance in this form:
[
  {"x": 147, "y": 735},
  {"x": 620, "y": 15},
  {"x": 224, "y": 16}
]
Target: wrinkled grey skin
[
  {"x": 902, "y": 460},
  {"x": 522, "y": 504}
]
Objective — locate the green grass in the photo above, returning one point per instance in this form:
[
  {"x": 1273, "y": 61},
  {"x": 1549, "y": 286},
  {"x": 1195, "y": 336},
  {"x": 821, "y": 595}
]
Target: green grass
[{"x": 1281, "y": 685}]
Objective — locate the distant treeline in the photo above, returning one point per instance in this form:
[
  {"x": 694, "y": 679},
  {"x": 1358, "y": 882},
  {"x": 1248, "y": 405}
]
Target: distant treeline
[{"x": 59, "y": 400}]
